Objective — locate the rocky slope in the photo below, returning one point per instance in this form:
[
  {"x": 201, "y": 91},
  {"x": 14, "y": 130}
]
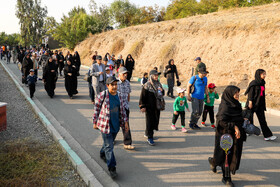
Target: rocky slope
[{"x": 232, "y": 44}]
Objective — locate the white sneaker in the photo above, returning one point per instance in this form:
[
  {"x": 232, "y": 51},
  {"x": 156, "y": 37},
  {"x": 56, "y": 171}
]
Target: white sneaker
[
  {"x": 173, "y": 127},
  {"x": 270, "y": 138}
]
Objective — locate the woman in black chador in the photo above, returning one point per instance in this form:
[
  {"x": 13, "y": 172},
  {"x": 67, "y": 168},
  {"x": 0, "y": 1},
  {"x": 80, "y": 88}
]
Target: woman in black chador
[
  {"x": 27, "y": 64},
  {"x": 70, "y": 77},
  {"x": 129, "y": 65},
  {"x": 77, "y": 62},
  {"x": 256, "y": 102},
  {"x": 50, "y": 77},
  {"x": 229, "y": 121}
]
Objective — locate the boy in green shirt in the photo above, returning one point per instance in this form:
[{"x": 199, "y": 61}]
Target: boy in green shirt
[
  {"x": 179, "y": 109},
  {"x": 209, "y": 107}
]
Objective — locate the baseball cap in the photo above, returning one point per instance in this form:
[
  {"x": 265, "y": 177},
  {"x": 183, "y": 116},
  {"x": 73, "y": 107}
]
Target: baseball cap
[
  {"x": 154, "y": 72},
  {"x": 181, "y": 90},
  {"x": 107, "y": 68},
  {"x": 197, "y": 58},
  {"x": 110, "y": 80},
  {"x": 202, "y": 70},
  {"x": 122, "y": 70},
  {"x": 211, "y": 85},
  {"x": 99, "y": 58},
  {"x": 31, "y": 70}
]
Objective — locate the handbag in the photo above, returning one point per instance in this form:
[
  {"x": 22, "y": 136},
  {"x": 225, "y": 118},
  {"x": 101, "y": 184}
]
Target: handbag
[
  {"x": 87, "y": 77},
  {"x": 179, "y": 83},
  {"x": 251, "y": 128},
  {"x": 160, "y": 102}
]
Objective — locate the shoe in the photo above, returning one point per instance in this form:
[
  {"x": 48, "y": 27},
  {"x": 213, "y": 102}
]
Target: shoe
[
  {"x": 213, "y": 126},
  {"x": 173, "y": 127},
  {"x": 196, "y": 126},
  {"x": 271, "y": 138},
  {"x": 184, "y": 130},
  {"x": 203, "y": 124},
  {"x": 145, "y": 136},
  {"x": 212, "y": 166},
  {"x": 151, "y": 141},
  {"x": 103, "y": 157},
  {"x": 129, "y": 147},
  {"x": 113, "y": 172},
  {"x": 191, "y": 126},
  {"x": 172, "y": 96},
  {"x": 227, "y": 182}
]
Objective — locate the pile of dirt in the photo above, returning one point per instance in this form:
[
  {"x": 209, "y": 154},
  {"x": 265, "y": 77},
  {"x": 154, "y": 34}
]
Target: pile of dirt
[{"x": 232, "y": 43}]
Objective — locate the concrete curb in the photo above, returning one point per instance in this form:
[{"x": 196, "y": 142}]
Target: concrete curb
[{"x": 65, "y": 144}]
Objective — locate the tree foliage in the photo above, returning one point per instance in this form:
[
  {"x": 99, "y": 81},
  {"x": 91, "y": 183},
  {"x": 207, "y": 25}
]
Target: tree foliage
[
  {"x": 31, "y": 19},
  {"x": 75, "y": 27},
  {"x": 9, "y": 39}
]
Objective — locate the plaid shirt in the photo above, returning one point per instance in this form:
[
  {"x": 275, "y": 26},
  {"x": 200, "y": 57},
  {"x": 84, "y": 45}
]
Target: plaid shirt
[
  {"x": 102, "y": 112},
  {"x": 125, "y": 90}
]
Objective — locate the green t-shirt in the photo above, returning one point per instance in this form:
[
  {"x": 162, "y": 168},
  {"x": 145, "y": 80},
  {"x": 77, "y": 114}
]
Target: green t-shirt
[
  {"x": 212, "y": 97},
  {"x": 180, "y": 104}
]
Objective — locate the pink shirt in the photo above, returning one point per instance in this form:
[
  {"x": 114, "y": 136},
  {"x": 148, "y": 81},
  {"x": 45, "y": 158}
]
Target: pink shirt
[{"x": 262, "y": 90}]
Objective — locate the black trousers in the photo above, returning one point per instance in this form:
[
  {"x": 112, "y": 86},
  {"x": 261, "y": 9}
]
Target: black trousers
[
  {"x": 127, "y": 134},
  {"x": 210, "y": 110},
  {"x": 170, "y": 83},
  {"x": 32, "y": 90},
  {"x": 152, "y": 122},
  {"x": 175, "y": 117},
  {"x": 261, "y": 117}
]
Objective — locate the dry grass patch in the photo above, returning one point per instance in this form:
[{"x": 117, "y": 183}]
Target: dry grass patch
[
  {"x": 168, "y": 51},
  {"x": 118, "y": 46},
  {"x": 136, "y": 48},
  {"x": 25, "y": 162}
]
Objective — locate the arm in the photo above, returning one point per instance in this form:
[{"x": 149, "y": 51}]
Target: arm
[
  {"x": 216, "y": 95},
  {"x": 174, "y": 104},
  {"x": 176, "y": 73},
  {"x": 207, "y": 94},
  {"x": 142, "y": 100},
  {"x": 97, "y": 108},
  {"x": 251, "y": 94}
]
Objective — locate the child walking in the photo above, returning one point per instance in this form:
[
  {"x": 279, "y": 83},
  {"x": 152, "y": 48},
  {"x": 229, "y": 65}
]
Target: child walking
[
  {"x": 179, "y": 109},
  {"x": 209, "y": 107},
  {"x": 144, "y": 79},
  {"x": 31, "y": 79}
]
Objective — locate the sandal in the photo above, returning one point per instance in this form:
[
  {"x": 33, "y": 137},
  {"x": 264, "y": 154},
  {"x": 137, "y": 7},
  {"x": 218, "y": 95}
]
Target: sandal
[{"x": 128, "y": 147}]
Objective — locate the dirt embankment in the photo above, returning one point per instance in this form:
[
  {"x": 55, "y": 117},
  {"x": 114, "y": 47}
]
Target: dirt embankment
[{"x": 232, "y": 44}]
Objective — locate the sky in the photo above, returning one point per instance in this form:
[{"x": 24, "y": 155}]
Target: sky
[{"x": 56, "y": 8}]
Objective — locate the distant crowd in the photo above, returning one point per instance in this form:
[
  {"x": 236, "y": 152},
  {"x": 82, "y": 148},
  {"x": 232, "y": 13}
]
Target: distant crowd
[{"x": 109, "y": 86}]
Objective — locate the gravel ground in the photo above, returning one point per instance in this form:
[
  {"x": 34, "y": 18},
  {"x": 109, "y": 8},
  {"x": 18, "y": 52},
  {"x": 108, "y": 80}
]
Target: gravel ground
[{"x": 23, "y": 123}]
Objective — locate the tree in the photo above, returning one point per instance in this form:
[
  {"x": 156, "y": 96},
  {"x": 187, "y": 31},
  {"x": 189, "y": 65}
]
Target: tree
[
  {"x": 123, "y": 13},
  {"x": 50, "y": 25},
  {"x": 9, "y": 39},
  {"x": 181, "y": 9},
  {"x": 31, "y": 19},
  {"x": 101, "y": 15},
  {"x": 74, "y": 28}
]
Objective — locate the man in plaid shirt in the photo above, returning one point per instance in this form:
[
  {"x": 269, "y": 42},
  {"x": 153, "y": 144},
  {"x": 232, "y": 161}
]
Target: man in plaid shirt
[
  {"x": 125, "y": 90},
  {"x": 109, "y": 116}
]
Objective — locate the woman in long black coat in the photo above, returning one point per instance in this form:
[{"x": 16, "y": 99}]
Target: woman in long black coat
[
  {"x": 129, "y": 65},
  {"x": 50, "y": 77},
  {"x": 256, "y": 102},
  {"x": 170, "y": 73},
  {"x": 147, "y": 104},
  {"x": 27, "y": 64},
  {"x": 70, "y": 77},
  {"x": 77, "y": 62},
  {"x": 229, "y": 121}
]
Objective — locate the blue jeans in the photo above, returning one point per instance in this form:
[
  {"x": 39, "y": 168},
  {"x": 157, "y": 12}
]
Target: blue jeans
[
  {"x": 108, "y": 148},
  {"x": 91, "y": 92}
]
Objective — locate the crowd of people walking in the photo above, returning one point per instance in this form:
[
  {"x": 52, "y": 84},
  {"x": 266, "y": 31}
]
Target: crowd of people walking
[{"x": 109, "y": 90}]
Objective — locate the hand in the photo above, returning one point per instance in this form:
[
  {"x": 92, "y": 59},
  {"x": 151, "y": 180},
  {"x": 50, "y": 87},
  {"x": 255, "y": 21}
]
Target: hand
[
  {"x": 189, "y": 98},
  {"x": 169, "y": 69},
  {"x": 237, "y": 132},
  {"x": 52, "y": 70},
  {"x": 176, "y": 113},
  {"x": 43, "y": 80},
  {"x": 100, "y": 73},
  {"x": 70, "y": 74},
  {"x": 250, "y": 105},
  {"x": 143, "y": 110},
  {"x": 188, "y": 110},
  {"x": 95, "y": 126},
  {"x": 160, "y": 89}
]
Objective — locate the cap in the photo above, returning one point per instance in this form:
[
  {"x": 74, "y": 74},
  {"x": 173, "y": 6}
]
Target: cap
[
  {"x": 154, "y": 72},
  {"x": 211, "y": 85},
  {"x": 122, "y": 70},
  {"x": 107, "y": 68},
  {"x": 99, "y": 58},
  {"x": 110, "y": 80},
  {"x": 197, "y": 58},
  {"x": 31, "y": 70},
  {"x": 202, "y": 70},
  {"x": 181, "y": 90}
]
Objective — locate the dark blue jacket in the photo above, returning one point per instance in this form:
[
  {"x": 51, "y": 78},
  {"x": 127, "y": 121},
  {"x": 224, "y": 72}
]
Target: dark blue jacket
[{"x": 31, "y": 79}]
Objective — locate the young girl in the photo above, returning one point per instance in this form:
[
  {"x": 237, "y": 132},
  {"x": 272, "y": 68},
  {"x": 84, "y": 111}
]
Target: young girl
[
  {"x": 144, "y": 79},
  {"x": 209, "y": 107},
  {"x": 179, "y": 109}
]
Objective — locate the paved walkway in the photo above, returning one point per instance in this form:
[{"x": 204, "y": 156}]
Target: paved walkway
[{"x": 178, "y": 159}]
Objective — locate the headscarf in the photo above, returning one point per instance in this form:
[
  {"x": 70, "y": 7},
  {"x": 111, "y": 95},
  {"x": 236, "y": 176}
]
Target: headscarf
[
  {"x": 258, "y": 80},
  {"x": 230, "y": 109},
  {"x": 152, "y": 85},
  {"x": 173, "y": 67}
]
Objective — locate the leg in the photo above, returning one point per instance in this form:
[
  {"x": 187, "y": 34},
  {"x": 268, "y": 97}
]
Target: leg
[
  {"x": 182, "y": 118},
  {"x": 149, "y": 124},
  {"x": 195, "y": 111},
  {"x": 107, "y": 149},
  {"x": 127, "y": 134},
  {"x": 265, "y": 129},
  {"x": 204, "y": 115},
  {"x": 175, "y": 118},
  {"x": 211, "y": 114}
]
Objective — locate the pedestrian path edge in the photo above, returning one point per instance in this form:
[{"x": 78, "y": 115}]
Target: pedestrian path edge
[{"x": 77, "y": 162}]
